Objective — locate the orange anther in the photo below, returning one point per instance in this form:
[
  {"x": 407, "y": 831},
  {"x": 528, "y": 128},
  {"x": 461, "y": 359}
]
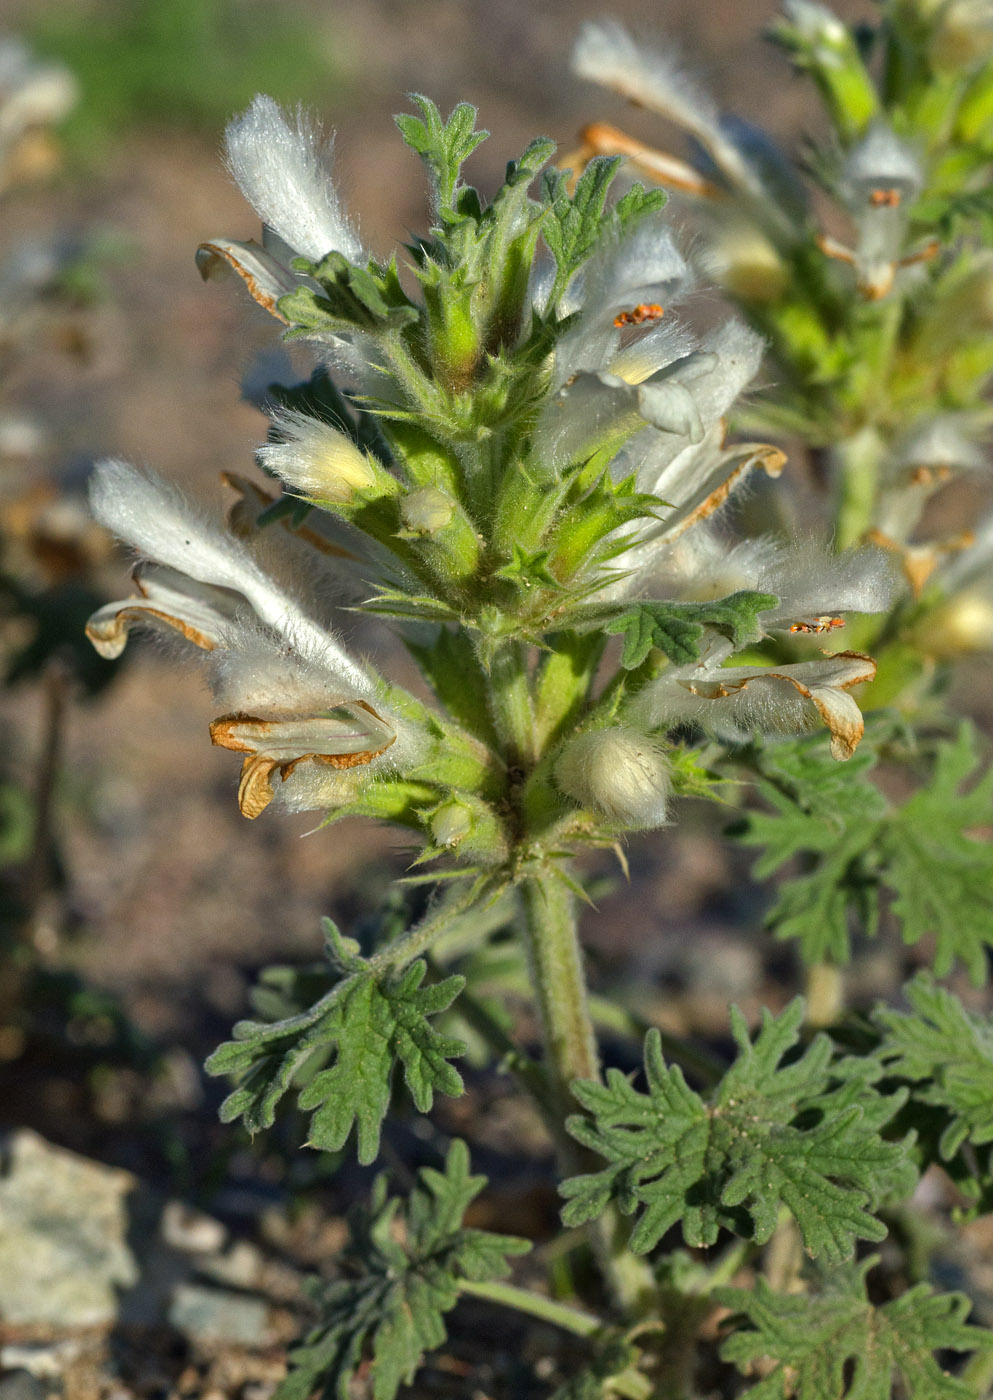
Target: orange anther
[
  {"x": 818, "y": 624},
  {"x": 641, "y": 315}
]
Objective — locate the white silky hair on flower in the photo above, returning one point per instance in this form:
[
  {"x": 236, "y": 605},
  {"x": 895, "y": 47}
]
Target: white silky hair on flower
[
  {"x": 254, "y": 670},
  {"x": 315, "y": 458},
  {"x": 811, "y": 580},
  {"x": 643, "y": 265},
  {"x": 164, "y": 526},
  {"x": 658, "y": 348},
  {"x": 944, "y": 440},
  {"x": 605, "y": 53},
  {"x": 702, "y": 565},
  {"x": 617, "y": 771},
  {"x": 882, "y": 159},
  {"x": 284, "y": 171},
  {"x": 738, "y": 352}
]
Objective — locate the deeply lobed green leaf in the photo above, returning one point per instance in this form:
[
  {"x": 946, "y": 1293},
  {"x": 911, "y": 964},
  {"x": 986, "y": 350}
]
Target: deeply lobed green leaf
[
  {"x": 835, "y": 1345},
  {"x": 367, "y": 1023},
  {"x": 406, "y": 1261},
  {"x": 777, "y": 1131}
]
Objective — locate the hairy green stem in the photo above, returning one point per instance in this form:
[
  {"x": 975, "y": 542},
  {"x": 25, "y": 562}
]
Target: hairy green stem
[
  {"x": 551, "y": 939},
  {"x": 436, "y": 921},
  {"x": 554, "y": 955},
  {"x": 511, "y": 704},
  {"x": 570, "y": 1319},
  {"x": 856, "y": 462}
]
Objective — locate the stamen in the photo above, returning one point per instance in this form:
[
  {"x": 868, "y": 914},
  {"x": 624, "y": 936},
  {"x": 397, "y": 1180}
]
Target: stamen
[
  {"x": 823, "y": 623},
  {"x": 644, "y": 314}
]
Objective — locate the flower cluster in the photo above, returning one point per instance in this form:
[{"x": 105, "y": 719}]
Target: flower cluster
[
  {"x": 880, "y": 340},
  {"x": 534, "y": 456}
]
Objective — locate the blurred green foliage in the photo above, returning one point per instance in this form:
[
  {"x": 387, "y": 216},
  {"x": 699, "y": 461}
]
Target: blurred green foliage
[{"x": 186, "y": 64}]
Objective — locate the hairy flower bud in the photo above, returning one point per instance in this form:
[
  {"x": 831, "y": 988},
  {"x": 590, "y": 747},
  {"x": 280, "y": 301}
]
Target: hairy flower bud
[
  {"x": 619, "y": 772},
  {"x": 963, "y": 624},
  {"x": 426, "y": 510},
  {"x": 316, "y": 459}
]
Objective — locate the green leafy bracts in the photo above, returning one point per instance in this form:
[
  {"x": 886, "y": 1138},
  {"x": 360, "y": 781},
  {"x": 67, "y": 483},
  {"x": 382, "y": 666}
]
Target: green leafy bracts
[
  {"x": 946, "y": 1053},
  {"x": 677, "y": 629}
]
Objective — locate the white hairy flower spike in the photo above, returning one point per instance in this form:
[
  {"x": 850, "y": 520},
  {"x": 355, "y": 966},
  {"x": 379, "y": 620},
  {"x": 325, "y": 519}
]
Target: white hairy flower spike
[
  {"x": 316, "y": 459},
  {"x": 619, "y": 772},
  {"x": 164, "y": 527},
  {"x": 283, "y": 168}
]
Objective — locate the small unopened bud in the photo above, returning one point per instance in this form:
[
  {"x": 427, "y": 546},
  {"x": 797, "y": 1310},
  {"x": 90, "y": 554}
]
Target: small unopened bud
[
  {"x": 450, "y": 823},
  {"x": 963, "y": 624},
  {"x": 619, "y": 772},
  {"x": 426, "y": 510},
  {"x": 316, "y": 459},
  {"x": 743, "y": 260},
  {"x": 963, "y": 35}
]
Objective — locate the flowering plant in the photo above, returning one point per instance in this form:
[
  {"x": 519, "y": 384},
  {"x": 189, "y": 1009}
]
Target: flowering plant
[{"x": 517, "y": 455}]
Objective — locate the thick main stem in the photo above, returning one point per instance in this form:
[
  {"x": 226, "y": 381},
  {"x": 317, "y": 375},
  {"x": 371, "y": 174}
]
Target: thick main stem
[{"x": 551, "y": 939}]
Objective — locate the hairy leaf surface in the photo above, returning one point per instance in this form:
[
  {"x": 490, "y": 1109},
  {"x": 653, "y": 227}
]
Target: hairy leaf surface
[
  {"x": 369, "y": 1022},
  {"x": 799, "y": 1134},
  {"x": 407, "y": 1261},
  {"x": 836, "y": 1346}
]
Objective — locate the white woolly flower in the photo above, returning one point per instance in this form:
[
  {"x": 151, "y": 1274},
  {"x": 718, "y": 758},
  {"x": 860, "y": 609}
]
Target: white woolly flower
[
  {"x": 734, "y": 701},
  {"x": 619, "y": 772},
  {"x": 290, "y": 709},
  {"x": 297, "y": 700},
  {"x": 634, "y": 282},
  {"x": 167, "y": 529},
  {"x": 813, "y": 584},
  {"x": 606, "y": 54},
  {"x": 316, "y": 459},
  {"x": 668, "y": 381},
  {"x": 882, "y": 177},
  {"x": 283, "y": 168}
]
